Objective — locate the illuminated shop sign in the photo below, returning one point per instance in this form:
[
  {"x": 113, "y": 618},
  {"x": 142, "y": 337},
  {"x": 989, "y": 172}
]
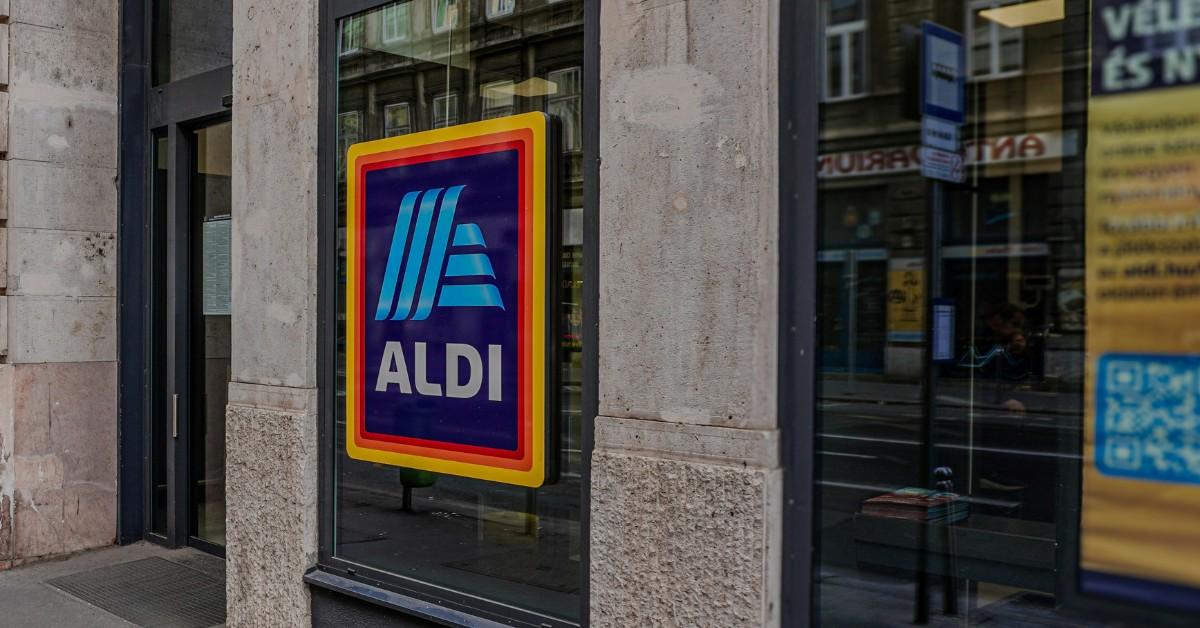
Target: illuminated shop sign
[
  {"x": 447, "y": 364},
  {"x": 986, "y": 151}
]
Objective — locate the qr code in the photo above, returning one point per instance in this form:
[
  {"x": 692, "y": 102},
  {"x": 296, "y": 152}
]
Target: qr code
[{"x": 1148, "y": 416}]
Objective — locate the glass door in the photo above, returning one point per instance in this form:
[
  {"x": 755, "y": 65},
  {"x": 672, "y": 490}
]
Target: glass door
[
  {"x": 189, "y": 336},
  {"x": 209, "y": 341}
]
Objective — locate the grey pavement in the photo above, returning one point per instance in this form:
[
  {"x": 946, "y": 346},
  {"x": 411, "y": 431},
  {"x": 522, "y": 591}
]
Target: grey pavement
[{"x": 27, "y": 601}]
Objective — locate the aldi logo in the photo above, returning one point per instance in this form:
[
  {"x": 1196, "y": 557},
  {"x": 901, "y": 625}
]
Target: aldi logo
[
  {"x": 466, "y": 235},
  {"x": 448, "y": 300}
]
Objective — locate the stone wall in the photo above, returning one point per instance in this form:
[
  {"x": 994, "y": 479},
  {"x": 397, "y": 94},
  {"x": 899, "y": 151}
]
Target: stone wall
[
  {"x": 686, "y": 515},
  {"x": 271, "y": 430},
  {"x": 58, "y": 252}
]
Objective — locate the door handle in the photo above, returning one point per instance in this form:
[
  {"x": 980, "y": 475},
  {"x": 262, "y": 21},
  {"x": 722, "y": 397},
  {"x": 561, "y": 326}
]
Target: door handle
[{"x": 175, "y": 416}]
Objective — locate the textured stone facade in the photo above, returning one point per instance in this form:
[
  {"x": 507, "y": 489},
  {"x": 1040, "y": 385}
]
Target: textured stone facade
[
  {"x": 271, "y": 425},
  {"x": 271, "y": 474},
  {"x": 681, "y": 543},
  {"x": 686, "y": 484},
  {"x": 58, "y": 251}
]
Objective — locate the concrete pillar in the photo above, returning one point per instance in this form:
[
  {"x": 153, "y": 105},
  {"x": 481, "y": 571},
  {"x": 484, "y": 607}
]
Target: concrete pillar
[
  {"x": 686, "y": 485},
  {"x": 271, "y": 431},
  {"x": 58, "y": 251}
]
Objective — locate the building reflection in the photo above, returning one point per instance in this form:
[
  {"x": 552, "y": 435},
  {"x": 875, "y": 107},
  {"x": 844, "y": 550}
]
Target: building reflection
[{"x": 1001, "y": 421}]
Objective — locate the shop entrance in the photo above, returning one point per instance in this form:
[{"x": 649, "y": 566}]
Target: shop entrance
[{"x": 190, "y": 333}]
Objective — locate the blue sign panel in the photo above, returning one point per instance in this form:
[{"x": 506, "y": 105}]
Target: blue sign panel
[
  {"x": 943, "y": 70},
  {"x": 448, "y": 365},
  {"x": 1137, "y": 46},
  {"x": 1148, "y": 416}
]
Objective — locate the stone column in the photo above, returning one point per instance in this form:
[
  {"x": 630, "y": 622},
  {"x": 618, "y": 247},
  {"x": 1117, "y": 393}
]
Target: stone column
[
  {"x": 686, "y": 486},
  {"x": 271, "y": 434},
  {"x": 58, "y": 252}
]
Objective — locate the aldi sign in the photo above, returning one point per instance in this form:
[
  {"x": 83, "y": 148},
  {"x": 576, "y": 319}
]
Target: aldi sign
[{"x": 448, "y": 300}]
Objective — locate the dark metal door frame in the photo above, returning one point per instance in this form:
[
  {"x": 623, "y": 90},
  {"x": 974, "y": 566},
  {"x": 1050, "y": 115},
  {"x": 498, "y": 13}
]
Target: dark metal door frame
[
  {"x": 798, "y": 82},
  {"x": 174, "y": 109}
]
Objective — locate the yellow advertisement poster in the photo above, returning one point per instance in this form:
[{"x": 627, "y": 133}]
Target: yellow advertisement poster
[
  {"x": 1140, "y": 521},
  {"x": 906, "y": 300}
]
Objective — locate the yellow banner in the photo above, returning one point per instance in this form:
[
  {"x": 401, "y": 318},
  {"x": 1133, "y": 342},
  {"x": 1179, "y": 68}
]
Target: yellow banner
[{"x": 1141, "y": 478}]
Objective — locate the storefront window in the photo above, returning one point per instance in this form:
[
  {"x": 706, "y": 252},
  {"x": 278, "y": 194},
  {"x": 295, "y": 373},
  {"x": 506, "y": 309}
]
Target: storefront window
[
  {"x": 1009, "y": 388},
  {"x": 430, "y": 64}
]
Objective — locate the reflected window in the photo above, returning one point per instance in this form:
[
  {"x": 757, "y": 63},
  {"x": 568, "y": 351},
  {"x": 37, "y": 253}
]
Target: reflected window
[
  {"x": 500, "y": 8},
  {"x": 947, "y": 479},
  {"x": 845, "y": 49},
  {"x": 994, "y": 50},
  {"x": 499, "y": 99},
  {"x": 445, "y": 110},
  {"x": 395, "y": 22},
  {"x": 444, "y": 15},
  {"x": 566, "y": 101},
  {"x": 351, "y": 39},
  {"x": 349, "y": 134},
  {"x": 397, "y": 119}
]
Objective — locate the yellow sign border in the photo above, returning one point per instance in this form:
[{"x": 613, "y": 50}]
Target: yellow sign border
[{"x": 538, "y": 178}]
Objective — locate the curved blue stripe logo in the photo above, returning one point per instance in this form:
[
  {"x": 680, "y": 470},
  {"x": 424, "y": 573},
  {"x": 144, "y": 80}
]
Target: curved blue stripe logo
[{"x": 425, "y": 252}]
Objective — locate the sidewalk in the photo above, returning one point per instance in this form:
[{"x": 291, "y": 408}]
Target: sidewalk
[{"x": 30, "y": 596}]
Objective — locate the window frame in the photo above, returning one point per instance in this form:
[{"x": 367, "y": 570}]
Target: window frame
[
  {"x": 492, "y": 15},
  {"x": 452, "y": 17},
  {"x": 844, "y": 31},
  {"x": 800, "y": 38},
  {"x": 483, "y": 99},
  {"x": 399, "y": 593},
  {"x": 402, "y": 104},
  {"x": 360, "y": 23},
  {"x": 451, "y": 113},
  {"x": 994, "y": 42},
  {"x": 405, "y": 31},
  {"x": 557, "y": 98}
]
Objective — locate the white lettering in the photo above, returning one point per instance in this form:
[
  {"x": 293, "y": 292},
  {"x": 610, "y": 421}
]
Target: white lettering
[
  {"x": 495, "y": 390},
  {"x": 424, "y": 387},
  {"x": 1116, "y": 20},
  {"x": 454, "y": 352},
  {"x": 393, "y": 355}
]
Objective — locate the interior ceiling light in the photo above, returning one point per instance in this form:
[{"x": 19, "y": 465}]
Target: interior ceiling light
[
  {"x": 528, "y": 88},
  {"x": 1025, "y": 13}
]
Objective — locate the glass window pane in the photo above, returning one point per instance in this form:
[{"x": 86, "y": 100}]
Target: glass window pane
[
  {"x": 159, "y": 321},
  {"x": 499, "y": 99},
  {"x": 833, "y": 64},
  {"x": 517, "y": 546},
  {"x": 567, "y": 104},
  {"x": 500, "y": 8},
  {"x": 1010, "y": 55},
  {"x": 445, "y": 110},
  {"x": 211, "y": 212},
  {"x": 396, "y": 18},
  {"x": 858, "y": 63},
  {"x": 1007, "y": 386},
  {"x": 190, "y": 37},
  {"x": 397, "y": 120},
  {"x": 981, "y": 60}
]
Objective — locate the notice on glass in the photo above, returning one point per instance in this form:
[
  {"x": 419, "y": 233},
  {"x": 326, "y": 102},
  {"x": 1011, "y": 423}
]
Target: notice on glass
[
  {"x": 1139, "y": 537},
  {"x": 218, "y": 274}
]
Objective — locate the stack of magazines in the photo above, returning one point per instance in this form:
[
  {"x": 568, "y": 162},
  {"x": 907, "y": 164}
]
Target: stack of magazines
[{"x": 917, "y": 504}]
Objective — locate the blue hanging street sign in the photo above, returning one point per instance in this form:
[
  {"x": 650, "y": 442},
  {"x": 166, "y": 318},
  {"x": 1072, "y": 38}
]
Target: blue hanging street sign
[
  {"x": 943, "y": 73},
  {"x": 449, "y": 300}
]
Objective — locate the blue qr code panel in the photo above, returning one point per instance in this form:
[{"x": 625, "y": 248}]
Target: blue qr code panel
[{"x": 1148, "y": 417}]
